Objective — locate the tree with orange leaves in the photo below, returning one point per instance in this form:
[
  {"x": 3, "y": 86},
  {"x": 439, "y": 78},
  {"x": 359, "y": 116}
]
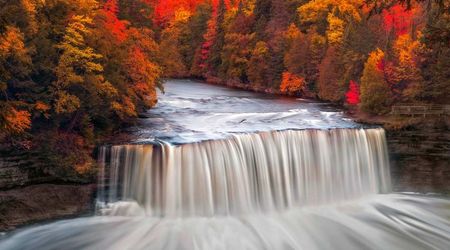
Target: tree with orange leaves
[
  {"x": 404, "y": 73},
  {"x": 118, "y": 28},
  {"x": 292, "y": 84},
  {"x": 13, "y": 121},
  {"x": 15, "y": 63}
]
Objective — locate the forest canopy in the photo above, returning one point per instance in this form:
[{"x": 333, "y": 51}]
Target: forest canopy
[{"x": 75, "y": 71}]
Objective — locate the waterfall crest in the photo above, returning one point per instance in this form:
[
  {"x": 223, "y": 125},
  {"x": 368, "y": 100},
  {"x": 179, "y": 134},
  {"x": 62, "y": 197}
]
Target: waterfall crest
[{"x": 247, "y": 172}]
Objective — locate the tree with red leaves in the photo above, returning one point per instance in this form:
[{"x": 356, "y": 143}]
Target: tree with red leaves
[
  {"x": 112, "y": 23},
  {"x": 166, "y": 9},
  {"x": 398, "y": 20},
  {"x": 352, "y": 95}
]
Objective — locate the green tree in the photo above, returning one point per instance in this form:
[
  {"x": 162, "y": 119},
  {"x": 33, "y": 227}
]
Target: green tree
[
  {"x": 375, "y": 93},
  {"x": 257, "y": 66},
  {"x": 191, "y": 37},
  {"x": 214, "y": 58},
  {"x": 330, "y": 84},
  {"x": 262, "y": 12},
  {"x": 304, "y": 53},
  {"x": 435, "y": 66},
  {"x": 239, "y": 41},
  {"x": 235, "y": 55},
  {"x": 170, "y": 46},
  {"x": 78, "y": 73}
]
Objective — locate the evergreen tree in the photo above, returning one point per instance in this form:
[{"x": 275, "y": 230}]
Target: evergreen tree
[
  {"x": 215, "y": 59},
  {"x": 191, "y": 38},
  {"x": 435, "y": 67},
  {"x": 262, "y": 13},
  {"x": 330, "y": 84},
  {"x": 257, "y": 66}
]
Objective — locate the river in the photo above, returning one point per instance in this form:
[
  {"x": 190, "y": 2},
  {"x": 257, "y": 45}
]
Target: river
[{"x": 217, "y": 168}]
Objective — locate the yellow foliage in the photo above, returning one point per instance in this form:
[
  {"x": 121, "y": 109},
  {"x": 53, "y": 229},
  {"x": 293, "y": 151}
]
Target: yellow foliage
[
  {"x": 12, "y": 44},
  {"x": 405, "y": 49},
  {"x": 77, "y": 55},
  {"x": 86, "y": 6},
  {"x": 105, "y": 88},
  {"x": 375, "y": 57},
  {"x": 260, "y": 49},
  {"x": 124, "y": 109},
  {"x": 338, "y": 13},
  {"x": 335, "y": 31},
  {"x": 407, "y": 71},
  {"x": 181, "y": 16},
  {"x": 257, "y": 67},
  {"x": 315, "y": 10},
  {"x": 66, "y": 103},
  {"x": 249, "y": 6},
  {"x": 375, "y": 92}
]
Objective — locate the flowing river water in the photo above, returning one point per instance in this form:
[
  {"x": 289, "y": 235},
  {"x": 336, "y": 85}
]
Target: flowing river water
[{"x": 215, "y": 168}]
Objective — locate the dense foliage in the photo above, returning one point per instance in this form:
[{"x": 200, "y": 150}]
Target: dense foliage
[
  {"x": 363, "y": 53},
  {"x": 74, "y": 71}
]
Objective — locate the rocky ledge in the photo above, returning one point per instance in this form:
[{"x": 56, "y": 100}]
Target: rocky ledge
[
  {"x": 419, "y": 150},
  {"x": 420, "y": 158},
  {"x": 42, "y": 202}
]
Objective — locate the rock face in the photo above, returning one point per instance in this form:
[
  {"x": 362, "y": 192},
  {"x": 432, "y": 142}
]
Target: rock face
[
  {"x": 43, "y": 202},
  {"x": 19, "y": 168},
  {"x": 420, "y": 158},
  {"x": 29, "y": 193}
]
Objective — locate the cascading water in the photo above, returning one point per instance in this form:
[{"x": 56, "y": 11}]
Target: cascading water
[
  {"x": 246, "y": 173},
  {"x": 206, "y": 180}
]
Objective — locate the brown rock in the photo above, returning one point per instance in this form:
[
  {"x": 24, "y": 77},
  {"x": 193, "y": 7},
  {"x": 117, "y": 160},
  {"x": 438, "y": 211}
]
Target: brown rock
[{"x": 44, "y": 202}]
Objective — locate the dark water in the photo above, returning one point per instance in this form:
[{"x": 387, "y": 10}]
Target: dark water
[{"x": 225, "y": 169}]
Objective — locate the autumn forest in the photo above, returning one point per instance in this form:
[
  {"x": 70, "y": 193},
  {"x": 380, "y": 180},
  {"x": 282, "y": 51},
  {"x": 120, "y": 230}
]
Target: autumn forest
[{"x": 73, "y": 72}]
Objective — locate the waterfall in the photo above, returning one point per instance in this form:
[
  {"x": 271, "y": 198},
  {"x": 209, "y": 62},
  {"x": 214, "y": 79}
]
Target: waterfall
[
  {"x": 251, "y": 191},
  {"x": 246, "y": 172}
]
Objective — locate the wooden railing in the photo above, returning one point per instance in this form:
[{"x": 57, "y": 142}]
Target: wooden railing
[{"x": 422, "y": 110}]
